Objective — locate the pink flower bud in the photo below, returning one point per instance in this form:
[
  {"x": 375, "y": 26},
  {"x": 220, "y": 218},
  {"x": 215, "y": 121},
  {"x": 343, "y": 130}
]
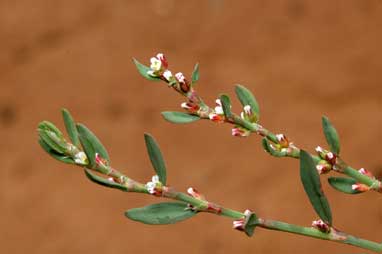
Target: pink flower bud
[
  {"x": 283, "y": 141},
  {"x": 323, "y": 167},
  {"x": 216, "y": 118},
  {"x": 180, "y": 77},
  {"x": 239, "y": 132},
  {"x": 322, "y": 226},
  {"x": 189, "y": 106},
  {"x": 168, "y": 75},
  {"x": 360, "y": 187},
  {"x": 331, "y": 158},
  {"x": 366, "y": 172},
  {"x": 162, "y": 58},
  {"x": 194, "y": 193},
  {"x": 100, "y": 161},
  {"x": 238, "y": 224}
]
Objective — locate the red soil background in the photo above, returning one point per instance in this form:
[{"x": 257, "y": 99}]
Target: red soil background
[{"x": 302, "y": 59}]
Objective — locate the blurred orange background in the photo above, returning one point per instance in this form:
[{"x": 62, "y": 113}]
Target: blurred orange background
[{"x": 302, "y": 59}]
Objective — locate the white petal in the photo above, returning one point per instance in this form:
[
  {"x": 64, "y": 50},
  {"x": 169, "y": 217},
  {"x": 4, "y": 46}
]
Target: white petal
[{"x": 155, "y": 179}]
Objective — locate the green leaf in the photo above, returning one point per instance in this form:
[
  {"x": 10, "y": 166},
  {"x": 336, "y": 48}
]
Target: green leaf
[
  {"x": 331, "y": 135},
  {"x": 179, "y": 117},
  {"x": 156, "y": 158},
  {"x": 104, "y": 182},
  {"x": 343, "y": 184},
  {"x": 161, "y": 213},
  {"x": 195, "y": 74},
  {"x": 91, "y": 145},
  {"x": 52, "y": 137},
  {"x": 250, "y": 224},
  {"x": 226, "y": 104},
  {"x": 58, "y": 156},
  {"x": 143, "y": 70},
  {"x": 312, "y": 185},
  {"x": 246, "y": 98},
  {"x": 70, "y": 126},
  {"x": 269, "y": 149}
]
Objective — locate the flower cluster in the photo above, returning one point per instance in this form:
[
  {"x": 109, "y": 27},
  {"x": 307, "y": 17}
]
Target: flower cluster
[
  {"x": 248, "y": 114},
  {"x": 217, "y": 115},
  {"x": 320, "y": 225},
  {"x": 155, "y": 186},
  {"x": 159, "y": 69},
  {"x": 241, "y": 223},
  {"x": 80, "y": 158},
  {"x": 327, "y": 162}
]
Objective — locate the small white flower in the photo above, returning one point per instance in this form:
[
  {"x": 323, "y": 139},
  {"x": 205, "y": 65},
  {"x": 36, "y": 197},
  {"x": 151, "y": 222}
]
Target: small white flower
[
  {"x": 185, "y": 105},
  {"x": 168, "y": 75},
  {"x": 319, "y": 149},
  {"x": 150, "y": 186},
  {"x": 80, "y": 158},
  {"x": 219, "y": 108},
  {"x": 155, "y": 179},
  {"x": 280, "y": 137},
  {"x": 330, "y": 155},
  {"x": 247, "y": 109},
  {"x": 111, "y": 179},
  {"x": 180, "y": 77},
  {"x": 156, "y": 64},
  {"x": 320, "y": 168},
  {"x": 160, "y": 56}
]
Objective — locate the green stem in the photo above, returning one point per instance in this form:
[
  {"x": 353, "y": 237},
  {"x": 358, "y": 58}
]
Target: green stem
[
  {"x": 333, "y": 235},
  {"x": 364, "y": 179},
  {"x": 202, "y": 205}
]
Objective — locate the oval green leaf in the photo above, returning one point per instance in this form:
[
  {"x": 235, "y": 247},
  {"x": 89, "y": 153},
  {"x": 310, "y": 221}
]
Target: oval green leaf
[
  {"x": 343, "y": 184},
  {"x": 143, "y": 70},
  {"x": 331, "y": 135},
  {"x": 226, "y": 104},
  {"x": 70, "y": 126},
  {"x": 52, "y": 137},
  {"x": 91, "y": 145},
  {"x": 246, "y": 98},
  {"x": 311, "y": 181},
  {"x": 156, "y": 158},
  {"x": 195, "y": 74},
  {"x": 161, "y": 213},
  {"x": 179, "y": 117},
  {"x": 104, "y": 182},
  {"x": 58, "y": 156}
]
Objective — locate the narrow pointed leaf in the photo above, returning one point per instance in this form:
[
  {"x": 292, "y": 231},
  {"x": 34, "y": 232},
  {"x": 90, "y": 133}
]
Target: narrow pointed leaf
[
  {"x": 70, "y": 126},
  {"x": 161, "y": 213},
  {"x": 343, "y": 184},
  {"x": 179, "y": 117},
  {"x": 226, "y": 104},
  {"x": 143, "y": 70},
  {"x": 331, "y": 135},
  {"x": 250, "y": 224},
  {"x": 102, "y": 181},
  {"x": 195, "y": 74},
  {"x": 58, "y": 156},
  {"x": 269, "y": 149},
  {"x": 312, "y": 185},
  {"x": 156, "y": 158},
  {"x": 49, "y": 142},
  {"x": 48, "y": 126},
  {"x": 91, "y": 145},
  {"x": 246, "y": 98},
  {"x": 52, "y": 136}
]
